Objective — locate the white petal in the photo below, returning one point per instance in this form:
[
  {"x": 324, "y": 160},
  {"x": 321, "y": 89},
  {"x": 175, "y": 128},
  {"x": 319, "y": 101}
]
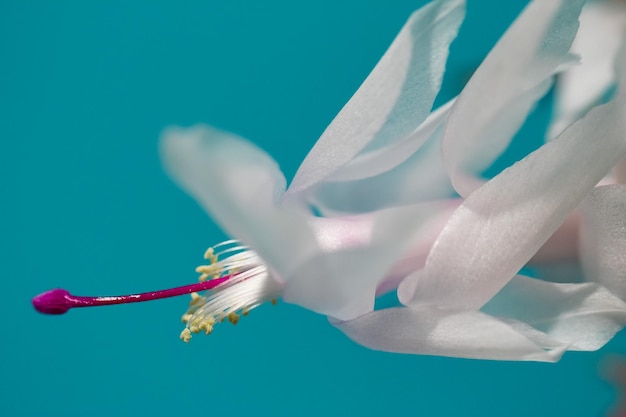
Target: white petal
[
  {"x": 619, "y": 172},
  {"x": 584, "y": 316},
  {"x": 501, "y": 225},
  {"x": 603, "y": 238},
  {"x": 432, "y": 331},
  {"x": 394, "y": 99},
  {"x": 239, "y": 186},
  {"x": 602, "y": 28},
  {"x": 359, "y": 253},
  {"x": 506, "y": 86},
  {"x": 422, "y": 177},
  {"x": 378, "y": 161}
]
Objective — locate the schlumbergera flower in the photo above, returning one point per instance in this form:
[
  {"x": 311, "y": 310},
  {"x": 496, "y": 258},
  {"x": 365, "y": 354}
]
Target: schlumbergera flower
[
  {"x": 378, "y": 178},
  {"x": 333, "y": 266}
]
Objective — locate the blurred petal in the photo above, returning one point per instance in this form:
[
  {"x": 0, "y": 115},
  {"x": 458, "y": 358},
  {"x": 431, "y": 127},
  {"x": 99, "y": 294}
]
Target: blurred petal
[
  {"x": 602, "y": 28},
  {"x": 394, "y": 99},
  {"x": 506, "y": 86},
  {"x": 603, "y": 238},
  {"x": 239, "y": 185},
  {"x": 583, "y": 316},
  {"x": 500, "y": 226},
  {"x": 342, "y": 282},
  {"x": 562, "y": 246},
  {"x": 433, "y": 331},
  {"x": 619, "y": 172}
]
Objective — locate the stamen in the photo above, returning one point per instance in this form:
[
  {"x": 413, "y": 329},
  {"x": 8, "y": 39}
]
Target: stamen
[
  {"x": 249, "y": 287},
  {"x": 237, "y": 283}
]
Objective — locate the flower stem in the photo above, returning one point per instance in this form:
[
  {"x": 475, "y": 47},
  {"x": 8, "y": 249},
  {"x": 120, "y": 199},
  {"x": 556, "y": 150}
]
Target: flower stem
[{"x": 58, "y": 300}]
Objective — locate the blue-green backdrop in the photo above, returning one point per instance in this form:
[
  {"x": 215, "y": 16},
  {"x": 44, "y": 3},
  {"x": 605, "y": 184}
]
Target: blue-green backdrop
[{"x": 85, "y": 89}]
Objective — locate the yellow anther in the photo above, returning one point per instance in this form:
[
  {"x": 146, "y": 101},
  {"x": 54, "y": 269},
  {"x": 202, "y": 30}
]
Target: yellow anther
[
  {"x": 196, "y": 300},
  {"x": 245, "y": 311},
  {"x": 194, "y": 329},
  {"x": 207, "y": 326},
  {"x": 186, "y": 317},
  {"x": 185, "y": 335},
  {"x": 233, "y": 317},
  {"x": 274, "y": 301},
  {"x": 210, "y": 255},
  {"x": 206, "y": 269}
]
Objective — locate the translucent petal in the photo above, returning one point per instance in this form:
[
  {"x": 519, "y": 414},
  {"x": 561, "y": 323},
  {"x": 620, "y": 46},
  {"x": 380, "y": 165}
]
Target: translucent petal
[
  {"x": 394, "y": 99},
  {"x": 239, "y": 186},
  {"x": 602, "y": 28},
  {"x": 433, "y": 331},
  {"x": 422, "y": 177},
  {"x": 619, "y": 172},
  {"x": 603, "y": 238},
  {"x": 501, "y": 225},
  {"x": 372, "y": 163},
  {"x": 584, "y": 316},
  {"x": 342, "y": 282},
  {"x": 406, "y": 172},
  {"x": 562, "y": 246},
  {"x": 506, "y": 86}
]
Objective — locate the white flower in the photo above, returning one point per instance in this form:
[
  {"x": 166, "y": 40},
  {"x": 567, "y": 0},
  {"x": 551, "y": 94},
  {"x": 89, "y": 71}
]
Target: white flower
[
  {"x": 378, "y": 177},
  {"x": 333, "y": 266},
  {"x": 467, "y": 300}
]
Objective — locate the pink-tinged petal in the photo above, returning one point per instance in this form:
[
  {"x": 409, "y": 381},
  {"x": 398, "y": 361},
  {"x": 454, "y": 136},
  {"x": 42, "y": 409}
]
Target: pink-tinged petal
[
  {"x": 416, "y": 173},
  {"x": 500, "y": 226},
  {"x": 619, "y": 172},
  {"x": 443, "y": 332},
  {"x": 506, "y": 86},
  {"x": 562, "y": 246},
  {"x": 394, "y": 99},
  {"x": 415, "y": 257},
  {"x": 359, "y": 252},
  {"x": 583, "y": 316},
  {"x": 603, "y": 238},
  {"x": 239, "y": 185},
  {"x": 602, "y": 28}
]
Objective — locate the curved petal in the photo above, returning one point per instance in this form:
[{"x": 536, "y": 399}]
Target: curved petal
[
  {"x": 584, "y": 316},
  {"x": 456, "y": 333},
  {"x": 501, "y": 225},
  {"x": 602, "y": 28},
  {"x": 603, "y": 238},
  {"x": 394, "y": 99},
  {"x": 422, "y": 177},
  {"x": 359, "y": 252},
  {"x": 239, "y": 185},
  {"x": 381, "y": 160},
  {"x": 506, "y": 86}
]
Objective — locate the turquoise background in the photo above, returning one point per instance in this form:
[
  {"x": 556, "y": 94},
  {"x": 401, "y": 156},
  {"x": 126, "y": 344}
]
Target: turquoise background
[{"x": 85, "y": 89}]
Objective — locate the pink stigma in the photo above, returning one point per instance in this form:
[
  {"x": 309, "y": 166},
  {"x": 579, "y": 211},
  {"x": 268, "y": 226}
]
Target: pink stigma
[{"x": 58, "y": 301}]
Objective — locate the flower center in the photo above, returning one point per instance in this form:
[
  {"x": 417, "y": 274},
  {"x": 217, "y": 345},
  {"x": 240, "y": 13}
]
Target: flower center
[
  {"x": 248, "y": 286},
  {"x": 235, "y": 284}
]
